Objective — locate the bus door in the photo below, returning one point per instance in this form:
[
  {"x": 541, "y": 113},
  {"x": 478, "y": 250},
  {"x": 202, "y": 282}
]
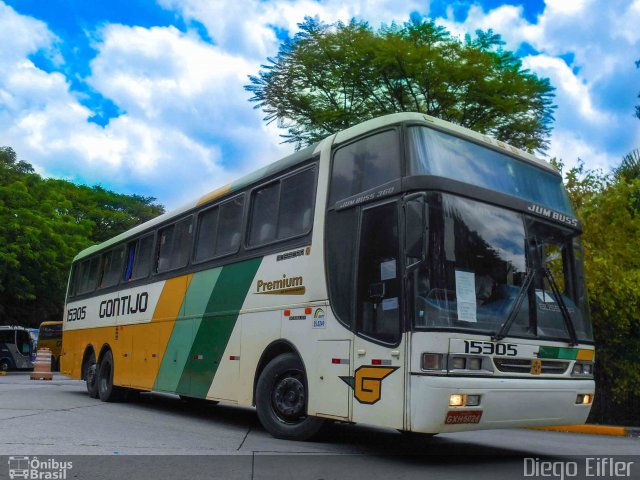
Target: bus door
[{"x": 378, "y": 348}]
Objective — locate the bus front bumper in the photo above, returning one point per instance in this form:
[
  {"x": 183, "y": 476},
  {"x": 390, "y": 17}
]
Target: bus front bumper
[{"x": 504, "y": 403}]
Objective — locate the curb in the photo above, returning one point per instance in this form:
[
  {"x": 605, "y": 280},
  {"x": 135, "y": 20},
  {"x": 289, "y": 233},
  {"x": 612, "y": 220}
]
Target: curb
[{"x": 593, "y": 430}]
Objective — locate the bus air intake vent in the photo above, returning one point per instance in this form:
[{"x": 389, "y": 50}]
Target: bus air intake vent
[{"x": 518, "y": 365}]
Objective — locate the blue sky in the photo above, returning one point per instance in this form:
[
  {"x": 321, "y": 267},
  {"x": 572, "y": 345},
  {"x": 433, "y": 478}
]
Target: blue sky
[{"x": 147, "y": 97}]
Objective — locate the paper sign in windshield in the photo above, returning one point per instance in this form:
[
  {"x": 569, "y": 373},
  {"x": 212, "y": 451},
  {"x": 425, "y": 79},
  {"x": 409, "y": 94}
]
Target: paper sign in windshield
[
  {"x": 466, "y": 296},
  {"x": 387, "y": 270},
  {"x": 390, "y": 303}
]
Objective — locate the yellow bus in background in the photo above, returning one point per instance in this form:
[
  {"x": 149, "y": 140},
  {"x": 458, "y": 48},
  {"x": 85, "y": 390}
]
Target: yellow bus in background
[{"x": 50, "y": 337}]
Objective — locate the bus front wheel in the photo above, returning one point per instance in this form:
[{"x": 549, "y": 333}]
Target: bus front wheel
[
  {"x": 107, "y": 391},
  {"x": 281, "y": 399},
  {"x": 4, "y": 365}
]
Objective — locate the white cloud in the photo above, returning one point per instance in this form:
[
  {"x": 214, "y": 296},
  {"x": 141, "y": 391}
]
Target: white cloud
[
  {"x": 571, "y": 145},
  {"x": 247, "y": 27},
  {"x": 186, "y": 125},
  {"x": 595, "y": 92},
  {"x": 184, "y": 105}
]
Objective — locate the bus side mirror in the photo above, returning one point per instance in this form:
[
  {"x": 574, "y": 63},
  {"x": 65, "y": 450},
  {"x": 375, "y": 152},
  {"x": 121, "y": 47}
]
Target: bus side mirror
[{"x": 416, "y": 237}]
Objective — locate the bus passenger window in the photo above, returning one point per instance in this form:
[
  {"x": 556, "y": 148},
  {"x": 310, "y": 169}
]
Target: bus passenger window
[
  {"x": 283, "y": 209},
  {"x": 182, "y": 243},
  {"x": 207, "y": 222},
  {"x": 229, "y": 227},
  {"x": 264, "y": 215},
  {"x": 365, "y": 164},
  {"x": 111, "y": 267},
  {"x": 296, "y": 204},
  {"x": 88, "y": 276},
  {"x": 142, "y": 263},
  {"x": 174, "y": 245},
  {"x": 165, "y": 241},
  {"x": 131, "y": 253}
]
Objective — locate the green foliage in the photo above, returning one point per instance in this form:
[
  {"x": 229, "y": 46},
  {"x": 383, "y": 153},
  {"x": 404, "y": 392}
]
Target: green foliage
[
  {"x": 630, "y": 167},
  {"x": 609, "y": 207},
  {"x": 43, "y": 225},
  {"x": 330, "y": 77}
]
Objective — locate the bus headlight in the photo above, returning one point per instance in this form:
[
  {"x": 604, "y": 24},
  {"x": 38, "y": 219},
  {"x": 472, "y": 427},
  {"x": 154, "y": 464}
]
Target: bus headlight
[
  {"x": 455, "y": 364},
  {"x": 474, "y": 363},
  {"x": 582, "y": 369},
  {"x": 458, "y": 363},
  {"x": 433, "y": 362},
  {"x": 461, "y": 400}
]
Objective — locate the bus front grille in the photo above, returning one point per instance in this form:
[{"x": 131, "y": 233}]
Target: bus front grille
[{"x": 518, "y": 365}]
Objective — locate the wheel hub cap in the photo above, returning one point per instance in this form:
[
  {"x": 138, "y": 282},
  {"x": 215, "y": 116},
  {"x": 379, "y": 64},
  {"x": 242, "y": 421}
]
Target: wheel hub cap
[{"x": 289, "y": 398}]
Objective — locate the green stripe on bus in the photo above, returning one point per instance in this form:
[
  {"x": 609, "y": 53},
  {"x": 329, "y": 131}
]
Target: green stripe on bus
[
  {"x": 219, "y": 319},
  {"x": 558, "y": 352},
  {"x": 176, "y": 356}
]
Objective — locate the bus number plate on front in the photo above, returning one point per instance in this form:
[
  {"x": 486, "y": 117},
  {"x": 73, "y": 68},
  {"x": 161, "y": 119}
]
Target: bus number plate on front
[{"x": 461, "y": 416}]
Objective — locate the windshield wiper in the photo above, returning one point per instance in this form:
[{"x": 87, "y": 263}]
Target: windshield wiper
[
  {"x": 524, "y": 288},
  {"x": 573, "y": 337},
  {"x": 526, "y": 284}
]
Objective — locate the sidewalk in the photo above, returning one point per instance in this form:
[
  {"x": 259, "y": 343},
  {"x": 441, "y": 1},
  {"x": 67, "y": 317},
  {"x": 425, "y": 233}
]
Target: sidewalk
[{"x": 609, "y": 430}]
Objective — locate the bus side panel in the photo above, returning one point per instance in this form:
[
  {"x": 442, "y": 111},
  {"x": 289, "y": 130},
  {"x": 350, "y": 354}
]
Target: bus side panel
[
  {"x": 74, "y": 344},
  {"x": 218, "y": 321},
  {"x": 199, "y": 339},
  {"x": 225, "y": 384},
  {"x": 258, "y": 330}
]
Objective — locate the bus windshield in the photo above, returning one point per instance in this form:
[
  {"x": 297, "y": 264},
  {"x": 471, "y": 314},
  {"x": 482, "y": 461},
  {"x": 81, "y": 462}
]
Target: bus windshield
[
  {"x": 51, "y": 331},
  {"x": 478, "y": 259},
  {"x": 435, "y": 153}
]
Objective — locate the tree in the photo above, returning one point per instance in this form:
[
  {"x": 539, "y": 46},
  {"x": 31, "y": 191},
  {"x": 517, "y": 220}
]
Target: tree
[
  {"x": 609, "y": 207},
  {"x": 330, "y": 77},
  {"x": 629, "y": 169},
  {"x": 44, "y": 223}
]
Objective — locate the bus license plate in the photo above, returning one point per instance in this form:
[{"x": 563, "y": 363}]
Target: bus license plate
[{"x": 463, "y": 416}]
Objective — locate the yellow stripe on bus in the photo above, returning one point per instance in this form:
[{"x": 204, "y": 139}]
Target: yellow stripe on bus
[
  {"x": 215, "y": 194},
  {"x": 151, "y": 339}
]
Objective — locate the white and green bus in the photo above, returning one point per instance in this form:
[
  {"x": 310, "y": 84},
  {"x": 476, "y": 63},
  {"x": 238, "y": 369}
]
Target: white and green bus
[{"x": 404, "y": 273}]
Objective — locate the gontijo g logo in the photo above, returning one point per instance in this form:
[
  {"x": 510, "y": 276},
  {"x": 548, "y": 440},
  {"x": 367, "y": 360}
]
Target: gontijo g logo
[{"x": 367, "y": 383}]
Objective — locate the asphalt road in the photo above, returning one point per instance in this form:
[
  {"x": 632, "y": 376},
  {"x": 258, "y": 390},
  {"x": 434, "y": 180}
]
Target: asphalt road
[{"x": 164, "y": 437}]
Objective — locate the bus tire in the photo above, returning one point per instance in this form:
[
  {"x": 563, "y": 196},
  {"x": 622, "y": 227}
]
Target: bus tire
[
  {"x": 4, "y": 365},
  {"x": 91, "y": 375},
  {"x": 107, "y": 391},
  {"x": 281, "y": 399}
]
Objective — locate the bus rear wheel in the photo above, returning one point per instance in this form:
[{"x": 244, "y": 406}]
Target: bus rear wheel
[
  {"x": 281, "y": 399},
  {"x": 107, "y": 391},
  {"x": 91, "y": 375}
]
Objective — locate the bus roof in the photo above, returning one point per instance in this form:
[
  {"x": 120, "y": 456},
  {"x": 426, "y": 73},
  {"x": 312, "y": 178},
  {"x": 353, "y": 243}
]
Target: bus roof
[
  {"x": 446, "y": 127},
  {"x": 13, "y": 327},
  {"x": 304, "y": 154}
]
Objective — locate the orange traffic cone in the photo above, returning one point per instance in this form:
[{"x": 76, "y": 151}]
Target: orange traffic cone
[{"x": 42, "y": 365}]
